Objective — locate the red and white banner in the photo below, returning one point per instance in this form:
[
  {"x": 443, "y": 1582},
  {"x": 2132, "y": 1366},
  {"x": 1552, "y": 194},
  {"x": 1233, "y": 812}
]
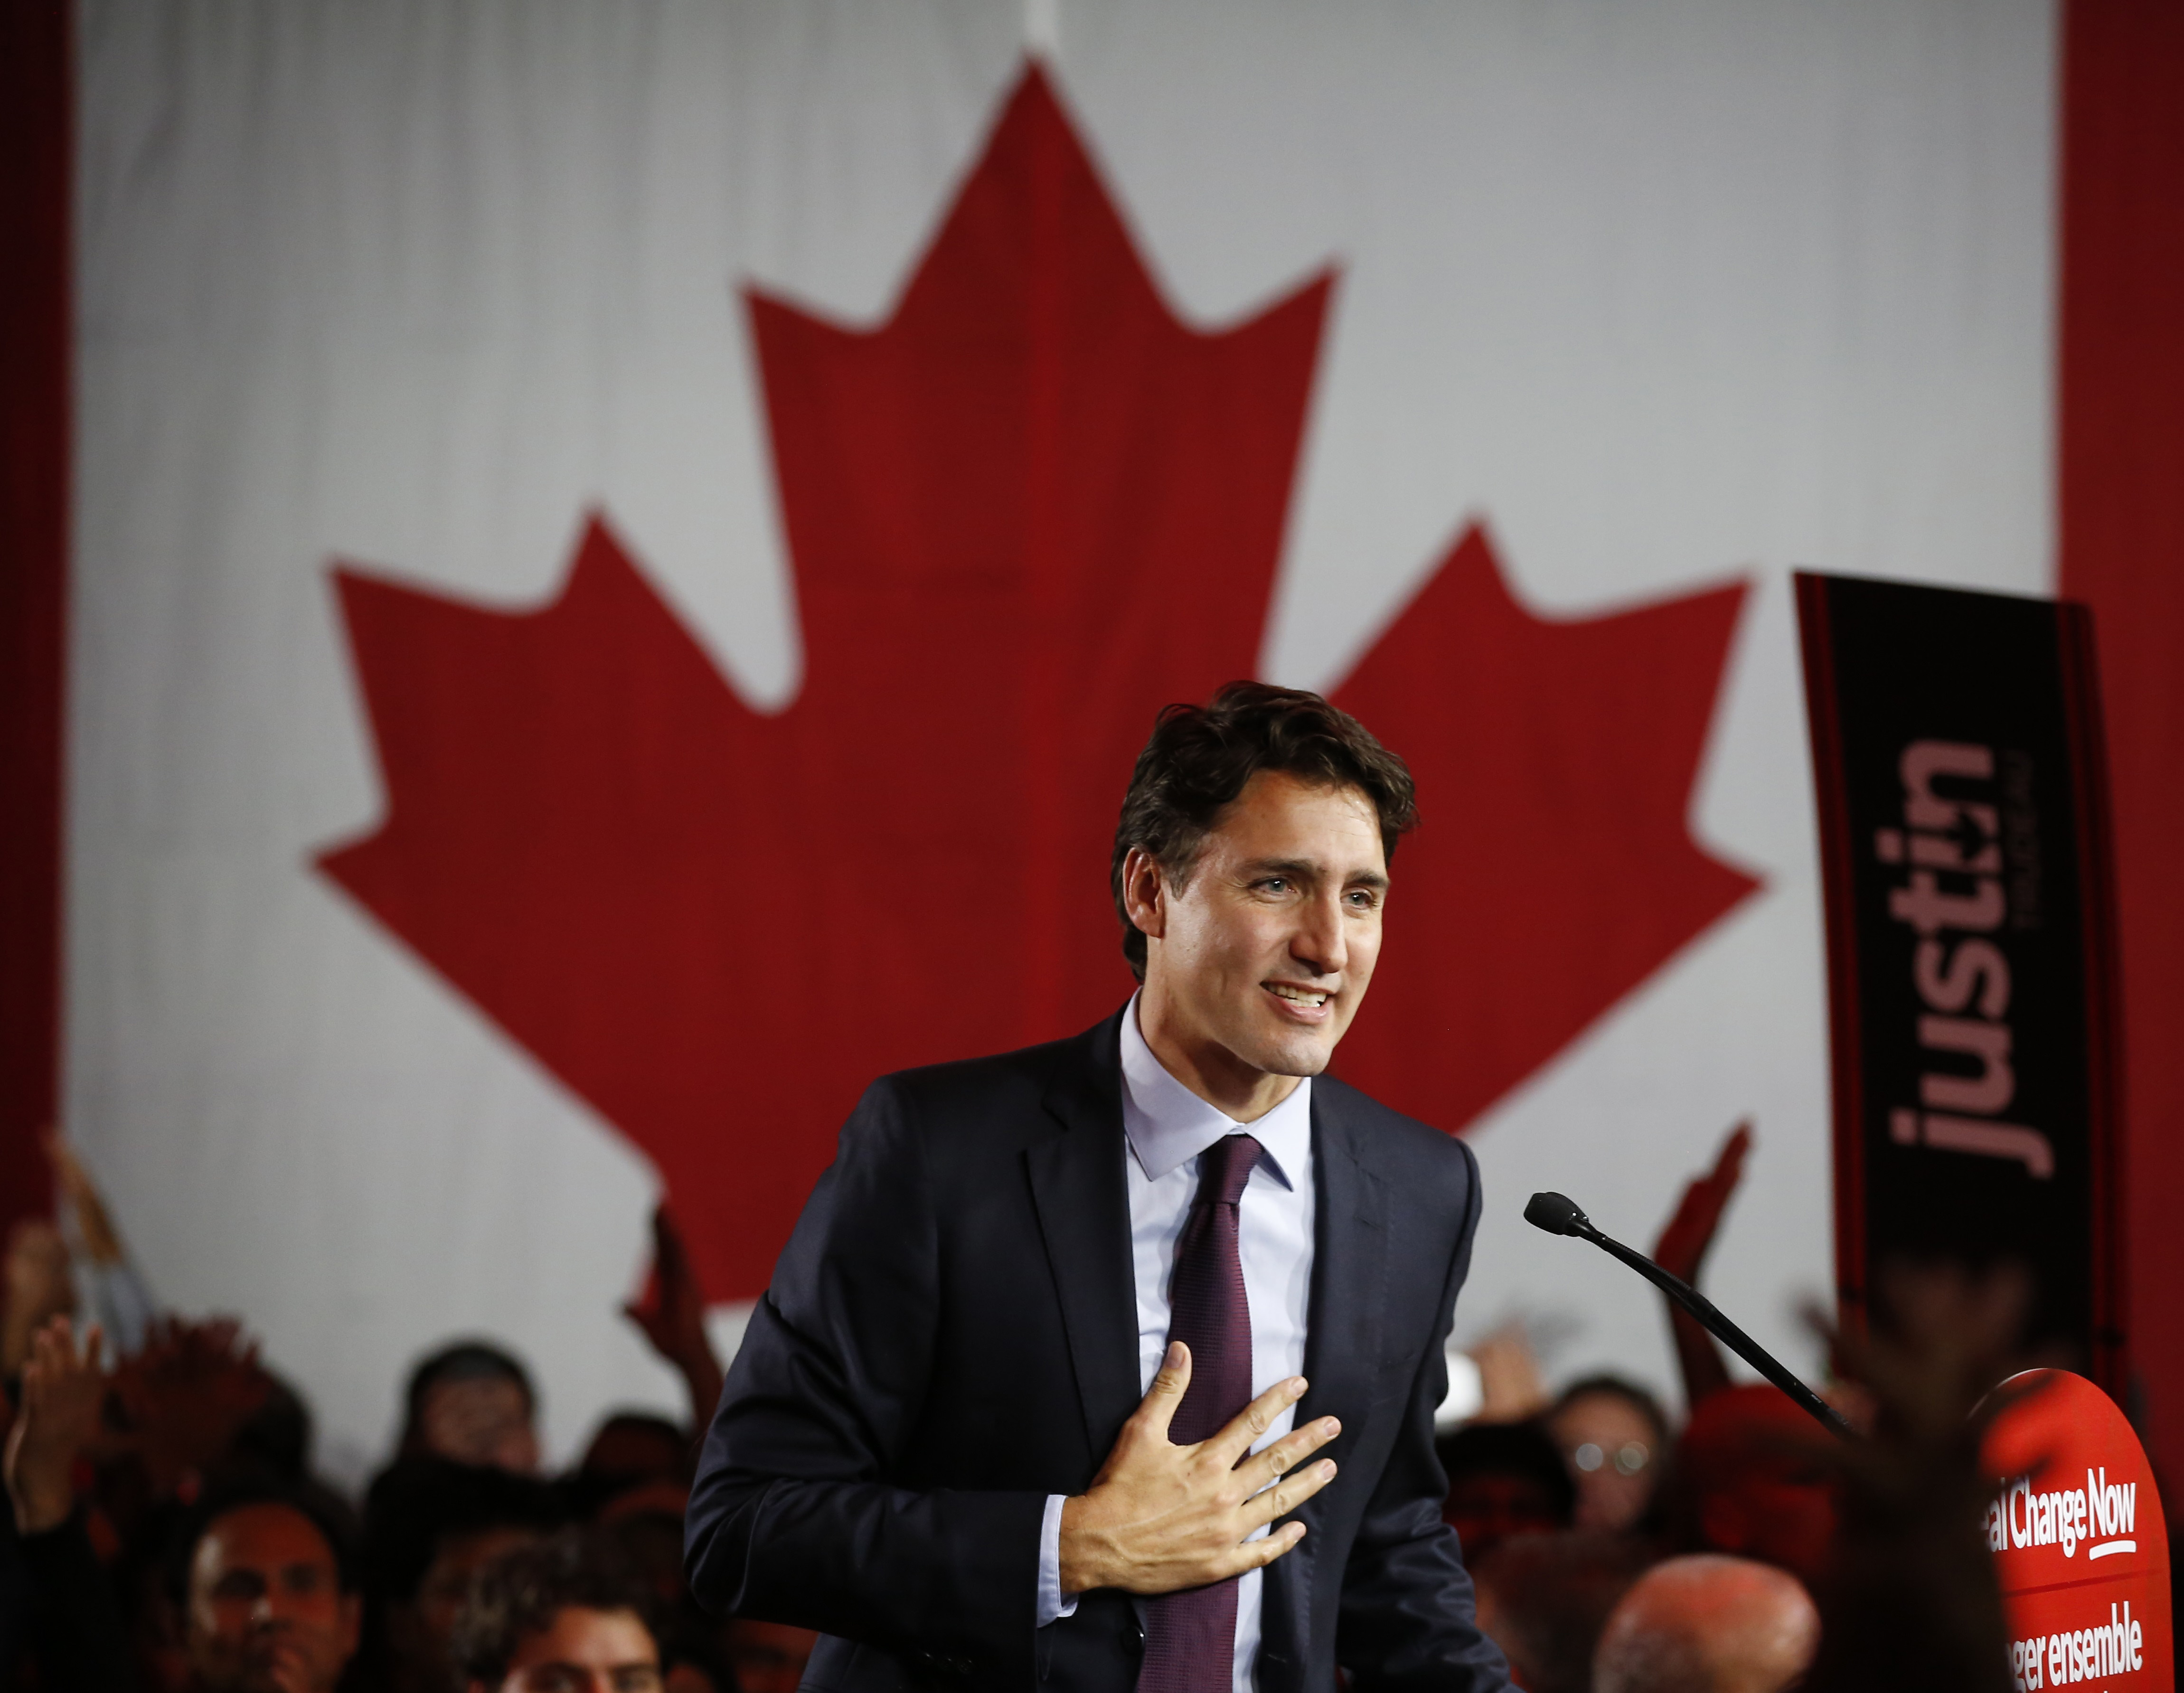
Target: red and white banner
[{"x": 621, "y": 556}]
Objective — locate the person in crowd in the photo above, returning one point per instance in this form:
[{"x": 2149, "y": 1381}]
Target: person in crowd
[
  {"x": 1614, "y": 1437},
  {"x": 1545, "y": 1599},
  {"x": 192, "y": 1410},
  {"x": 472, "y": 1402},
  {"x": 642, "y": 1526},
  {"x": 630, "y": 1450},
  {"x": 563, "y": 1616},
  {"x": 430, "y": 1525},
  {"x": 266, "y": 1576},
  {"x": 1002, "y": 1399},
  {"x": 1504, "y": 1478},
  {"x": 1757, "y": 1478},
  {"x": 1913, "y": 1605},
  {"x": 67, "y": 1621},
  {"x": 1706, "y": 1624}
]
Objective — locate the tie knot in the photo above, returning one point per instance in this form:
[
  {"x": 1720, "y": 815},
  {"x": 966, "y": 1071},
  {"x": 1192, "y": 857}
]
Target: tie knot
[{"x": 1223, "y": 1168}]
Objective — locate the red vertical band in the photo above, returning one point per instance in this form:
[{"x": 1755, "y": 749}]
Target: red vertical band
[
  {"x": 2121, "y": 500},
  {"x": 35, "y": 151}
]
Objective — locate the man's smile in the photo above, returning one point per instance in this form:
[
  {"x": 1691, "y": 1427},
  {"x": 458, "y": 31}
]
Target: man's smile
[{"x": 1306, "y": 1004}]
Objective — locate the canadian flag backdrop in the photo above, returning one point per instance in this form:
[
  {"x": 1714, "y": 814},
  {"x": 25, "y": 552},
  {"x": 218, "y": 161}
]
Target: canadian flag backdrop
[{"x": 619, "y": 557}]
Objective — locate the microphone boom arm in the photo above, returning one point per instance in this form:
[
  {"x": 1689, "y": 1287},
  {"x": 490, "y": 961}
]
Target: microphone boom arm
[{"x": 1543, "y": 1213}]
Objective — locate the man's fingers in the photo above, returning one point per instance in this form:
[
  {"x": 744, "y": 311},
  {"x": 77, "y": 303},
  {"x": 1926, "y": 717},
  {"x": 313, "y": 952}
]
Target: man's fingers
[
  {"x": 1286, "y": 1453},
  {"x": 1255, "y": 1419},
  {"x": 1156, "y": 1409},
  {"x": 1287, "y": 1494},
  {"x": 1258, "y": 1554}
]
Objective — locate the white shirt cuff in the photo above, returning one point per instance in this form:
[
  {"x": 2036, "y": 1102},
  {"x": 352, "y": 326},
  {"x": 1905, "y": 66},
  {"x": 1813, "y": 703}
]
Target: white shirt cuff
[{"x": 1051, "y": 1607}]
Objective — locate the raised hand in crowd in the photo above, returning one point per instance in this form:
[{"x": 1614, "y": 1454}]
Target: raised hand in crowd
[
  {"x": 63, "y": 1390},
  {"x": 672, "y": 1317},
  {"x": 1510, "y": 1388},
  {"x": 35, "y": 1287},
  {"x": 1914, "y": 1602},
  {"x": 95, "y": 1231},
  {"x": 1681, "y": 1250},
  {"x": 187, "y": 1394}
]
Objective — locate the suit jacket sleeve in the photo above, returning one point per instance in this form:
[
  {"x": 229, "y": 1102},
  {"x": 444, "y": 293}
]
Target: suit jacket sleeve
[
  {"x": 800, "y": 1513},
  {"x": 1407, "y": 1620}
]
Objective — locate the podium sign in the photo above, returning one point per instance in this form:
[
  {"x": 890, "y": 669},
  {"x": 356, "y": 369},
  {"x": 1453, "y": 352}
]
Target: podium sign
[
  {"x": 1963, "y": 813},
  {"x": 2079, "y": 1543}
]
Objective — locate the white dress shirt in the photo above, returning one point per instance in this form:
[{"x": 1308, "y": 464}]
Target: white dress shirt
[{"x": 1166, "y": 1126}]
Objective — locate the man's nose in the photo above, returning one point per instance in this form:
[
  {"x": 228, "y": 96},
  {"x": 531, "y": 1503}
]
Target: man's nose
[{"x": 1321, "y": 942}]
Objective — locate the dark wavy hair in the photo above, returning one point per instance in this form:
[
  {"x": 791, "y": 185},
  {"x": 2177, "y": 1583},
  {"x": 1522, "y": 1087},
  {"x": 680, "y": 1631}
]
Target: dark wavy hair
[
  {"x": 519, "y": 1593},
  {"x": 1200, "y": 757}
]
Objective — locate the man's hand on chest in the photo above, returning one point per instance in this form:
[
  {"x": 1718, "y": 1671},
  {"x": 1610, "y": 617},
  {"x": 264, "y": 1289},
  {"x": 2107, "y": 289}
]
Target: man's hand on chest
[{"x": 1160, "y": 1518}]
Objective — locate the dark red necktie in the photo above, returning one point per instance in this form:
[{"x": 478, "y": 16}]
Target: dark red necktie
[{"x": 1191, "y": 1637}]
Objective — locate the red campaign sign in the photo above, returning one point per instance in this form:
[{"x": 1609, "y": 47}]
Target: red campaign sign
[{"x": 2079, "y": 1542}]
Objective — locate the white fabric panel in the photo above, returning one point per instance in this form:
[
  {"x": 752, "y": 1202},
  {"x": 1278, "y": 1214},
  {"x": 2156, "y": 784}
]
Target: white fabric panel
[{"x": 1661, "y": 289}]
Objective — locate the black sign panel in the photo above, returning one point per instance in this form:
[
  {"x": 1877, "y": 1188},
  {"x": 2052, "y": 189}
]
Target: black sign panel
[{"x": 1963, "y": 813}]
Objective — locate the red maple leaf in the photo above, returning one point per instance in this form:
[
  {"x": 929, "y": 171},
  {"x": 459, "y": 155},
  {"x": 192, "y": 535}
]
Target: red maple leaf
[{"x": 1024, "y": 514}]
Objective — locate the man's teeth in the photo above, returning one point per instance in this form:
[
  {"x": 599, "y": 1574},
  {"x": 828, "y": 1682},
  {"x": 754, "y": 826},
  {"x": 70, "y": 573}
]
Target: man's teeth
[{"x": 1302, "y": 996}]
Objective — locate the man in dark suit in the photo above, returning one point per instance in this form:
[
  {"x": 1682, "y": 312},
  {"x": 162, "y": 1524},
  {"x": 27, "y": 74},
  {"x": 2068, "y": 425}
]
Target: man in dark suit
[{"x": 1112, "y": 1364}]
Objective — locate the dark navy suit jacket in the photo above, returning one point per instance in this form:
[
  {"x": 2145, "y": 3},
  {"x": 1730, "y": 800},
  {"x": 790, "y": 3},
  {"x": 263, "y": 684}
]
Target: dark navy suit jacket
[{"x": 951, "y": 1336}]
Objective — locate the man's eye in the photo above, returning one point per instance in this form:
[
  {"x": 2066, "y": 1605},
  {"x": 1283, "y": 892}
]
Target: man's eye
[{"x": 1275, "y": 884}]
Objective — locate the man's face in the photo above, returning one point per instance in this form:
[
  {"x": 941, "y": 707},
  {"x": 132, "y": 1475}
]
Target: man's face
[
  {"x": 481, "y": 1420},
  {"x": 1264, "y": 954},
  {"x": 1608, "y": 1443},
  {"x": 266, "y": 1612},
  {"x": 586, "y": 1651}
]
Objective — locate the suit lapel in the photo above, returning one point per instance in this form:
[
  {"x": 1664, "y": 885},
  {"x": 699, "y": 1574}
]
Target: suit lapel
[
  {"x": 1343, "y": 1341},
  {"x": 1348, "y": 1271},
  {"x": 1077, "y": 1183}
]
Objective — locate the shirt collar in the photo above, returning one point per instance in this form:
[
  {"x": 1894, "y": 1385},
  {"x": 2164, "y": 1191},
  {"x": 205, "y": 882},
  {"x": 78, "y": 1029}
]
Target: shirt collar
[{"x": 1168, "y": 1125}]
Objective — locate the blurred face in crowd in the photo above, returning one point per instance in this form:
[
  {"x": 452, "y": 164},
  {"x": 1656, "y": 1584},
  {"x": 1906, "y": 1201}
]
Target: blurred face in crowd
[
  {"x": 1609, "y": 1444},
  {"x": 266, "y": 1612},
  {"x": 479, "y": 1420},
  {"x": 1487, "y": 1506},
  {"x": 1256, "y": 965},
  {"x": 585, "y": 1650},
  {"x": 447, "y": 1583}
]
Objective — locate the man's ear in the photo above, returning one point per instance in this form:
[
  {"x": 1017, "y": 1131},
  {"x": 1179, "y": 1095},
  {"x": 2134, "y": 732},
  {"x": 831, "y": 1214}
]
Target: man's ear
[
  {"x": 1145, "y": 893},
  {"x": 352, "y": 1621}
]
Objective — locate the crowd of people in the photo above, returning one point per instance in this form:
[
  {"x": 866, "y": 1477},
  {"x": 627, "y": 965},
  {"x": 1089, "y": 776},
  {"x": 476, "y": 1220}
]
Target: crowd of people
[{"x": 168, "y": 1533}]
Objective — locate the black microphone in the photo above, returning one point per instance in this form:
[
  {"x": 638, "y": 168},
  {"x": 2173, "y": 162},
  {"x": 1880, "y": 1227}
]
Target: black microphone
[{"x": 1558, "y": 1214}]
